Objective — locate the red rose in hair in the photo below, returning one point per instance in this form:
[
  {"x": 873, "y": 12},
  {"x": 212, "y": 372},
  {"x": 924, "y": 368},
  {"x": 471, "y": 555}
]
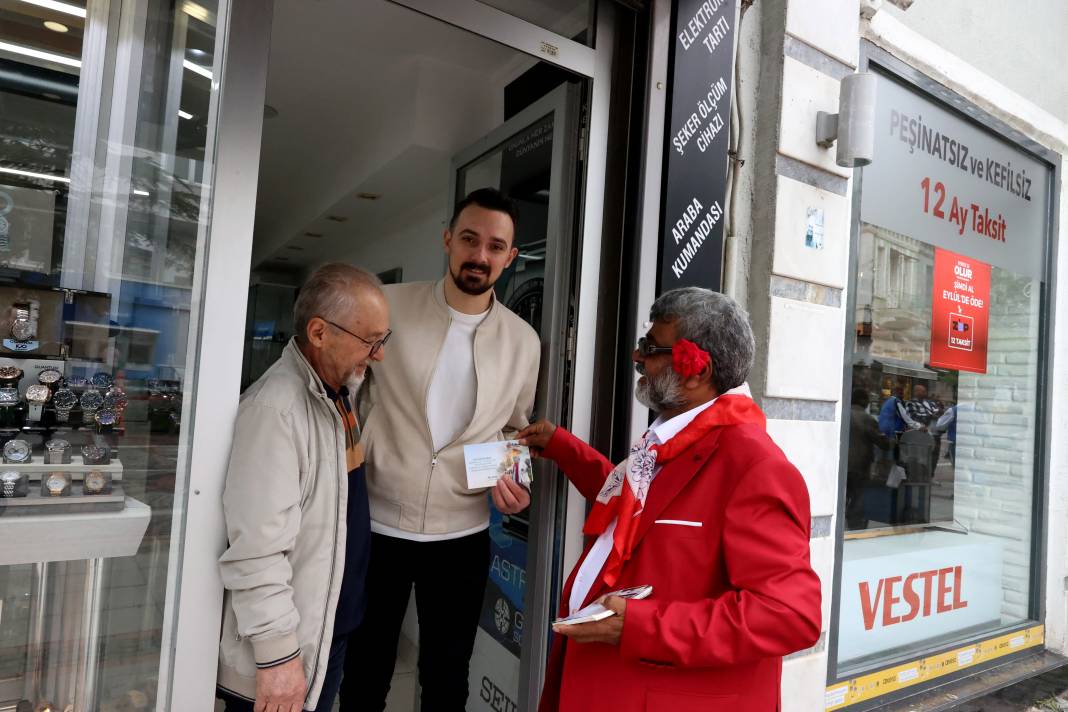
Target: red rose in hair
[{"x": 688, "y": 359}]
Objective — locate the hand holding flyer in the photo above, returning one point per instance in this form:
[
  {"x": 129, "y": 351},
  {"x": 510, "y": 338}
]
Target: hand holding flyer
[{"x": 488, "y": 462}]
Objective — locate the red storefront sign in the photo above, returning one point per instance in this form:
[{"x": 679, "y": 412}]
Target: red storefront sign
[{"x": 960, "y": 312}]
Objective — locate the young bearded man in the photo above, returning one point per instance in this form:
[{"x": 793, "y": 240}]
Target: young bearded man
[
  {"x": 463, "y": 369},
  {"x": 709, "y": 512}
]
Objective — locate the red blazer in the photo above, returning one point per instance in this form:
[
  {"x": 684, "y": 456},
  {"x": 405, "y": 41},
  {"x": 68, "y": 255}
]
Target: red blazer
[{"x": 730, "y": 597}]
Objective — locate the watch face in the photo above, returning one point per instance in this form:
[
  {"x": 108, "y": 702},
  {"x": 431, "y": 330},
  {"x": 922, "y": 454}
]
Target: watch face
[
  {"x": 38, "y": 393},
  {"x": 77, "y": 383},
  {"x": 49, "y": 376},
  {"x": 10, "y": 373},
  {"x": 17, "y": 450},
  {"x": 56, "y": 483},
  {"x": 107, "y": 416},
  {"x": 9, "y": 396},
  {"x": 115, "y": 399},
  {"x": 10, "y": 483},
  {"x": 91, "y": 400},
  {"x": 95, "y": 481},
  {"x": 22, "y": 330},
  {"x": 94, "y": 453},
  {"x": 102, "y": 380},
  {"x": 64, "y": 399},
  {"x": 57, "y": 444}
]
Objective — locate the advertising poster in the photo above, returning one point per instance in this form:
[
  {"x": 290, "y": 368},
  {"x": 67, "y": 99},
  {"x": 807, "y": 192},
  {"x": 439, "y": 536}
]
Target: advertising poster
[{"x": 960, "y": 312}]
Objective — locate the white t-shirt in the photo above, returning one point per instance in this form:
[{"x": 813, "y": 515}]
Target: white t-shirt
[{"x": 450, "y": 405}]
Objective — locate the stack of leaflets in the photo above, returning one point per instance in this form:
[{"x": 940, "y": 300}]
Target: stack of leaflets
[{"x": 597, "y": 612}]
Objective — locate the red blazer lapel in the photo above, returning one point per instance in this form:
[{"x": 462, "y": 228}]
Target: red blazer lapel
[{"x": 667, "y": 485}]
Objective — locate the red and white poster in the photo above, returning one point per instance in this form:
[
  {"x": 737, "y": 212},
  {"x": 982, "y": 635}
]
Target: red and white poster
[{"x": 960, "y": 312}]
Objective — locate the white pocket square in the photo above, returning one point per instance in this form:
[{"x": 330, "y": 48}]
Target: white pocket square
[{"x": 679, "y": 522}]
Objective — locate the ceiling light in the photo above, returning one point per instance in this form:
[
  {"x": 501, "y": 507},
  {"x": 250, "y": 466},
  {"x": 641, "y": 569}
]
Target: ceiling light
[
  {"x": 58, "y": 7},
  {"x": 337, "y": 218},
  {"x": 56, "y": 26},
  {"x": 31, "y": 174},
  {"x": 196, "y": 69},
  {"x": 313, "y": 234},
  {"x": 197, "y": 11},
  {"x": 38, "y": 54},
  {"x": 368, "y": 196},
  {"x": 140, "y": 192},
  {"x": 184, "y": 114}
]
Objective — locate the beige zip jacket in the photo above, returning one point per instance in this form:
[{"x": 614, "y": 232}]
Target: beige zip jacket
[
  {"x": 284, "y": 501},
  {"x": 411, "y": 487}
]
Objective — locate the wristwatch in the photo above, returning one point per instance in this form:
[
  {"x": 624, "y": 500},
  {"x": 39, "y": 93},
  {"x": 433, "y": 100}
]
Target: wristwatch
[
  {"x": 115, "y": 399},
  {"x": 96, "y": 482},
  {"x": 37, "y": 395},
  {"x": 77, "y": 383},
  {"x": 56, "y": 484},
  {"x": 91, "y": 401},
  {"x": 13, "y": 484},
  {"x": 96, "y": 454},
  {"x": 57, "y": 452},
  {"x": 10, "y": 373},
  {"x": 24, "y": 326},
  {"x": 64, "y": 400},
  {"x": 17, "y": 452},
  {"x": 106, "y": 417},
  {"x": 9, "y": 395},
  {"x": 50, "y": 377},
  {"x": 102, "y": 380}
]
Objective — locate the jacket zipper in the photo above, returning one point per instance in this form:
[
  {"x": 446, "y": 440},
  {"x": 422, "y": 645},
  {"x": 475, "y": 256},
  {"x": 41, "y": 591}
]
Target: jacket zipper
[{"x": 333, "y": 566}]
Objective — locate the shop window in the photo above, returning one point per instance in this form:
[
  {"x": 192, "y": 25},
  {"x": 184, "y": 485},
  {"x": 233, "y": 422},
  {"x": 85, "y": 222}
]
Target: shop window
[
  {"x": 944, "y": 425},
  {"x": 104, "y": 146}
]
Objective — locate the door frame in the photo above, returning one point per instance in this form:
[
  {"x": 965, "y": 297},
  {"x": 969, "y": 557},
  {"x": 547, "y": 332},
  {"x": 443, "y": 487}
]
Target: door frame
[
  {"x": 221, "y": 294},
  {"x": 564, "y": 104}
]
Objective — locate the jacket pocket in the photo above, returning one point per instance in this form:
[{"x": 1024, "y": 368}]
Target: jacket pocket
[
  {"x": 675, "y": 701},
  {"x": 679, "y": 529}
]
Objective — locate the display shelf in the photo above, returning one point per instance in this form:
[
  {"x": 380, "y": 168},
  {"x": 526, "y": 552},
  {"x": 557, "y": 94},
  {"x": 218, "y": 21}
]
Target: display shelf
[
  {"x": 36, "y": 504},
  {"x": 77, "y": 468},
  {"x": 73, "y": 536}
]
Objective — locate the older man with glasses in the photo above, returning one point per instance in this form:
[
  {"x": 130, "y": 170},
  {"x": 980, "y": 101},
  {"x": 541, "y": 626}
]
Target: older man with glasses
[
  {"x": 708, "y": 512},
  {"x": 296, "y": 504}
]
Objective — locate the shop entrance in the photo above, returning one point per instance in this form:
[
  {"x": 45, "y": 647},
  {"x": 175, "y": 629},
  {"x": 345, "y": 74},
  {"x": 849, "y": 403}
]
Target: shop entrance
[{"x": 377, "y": 120}]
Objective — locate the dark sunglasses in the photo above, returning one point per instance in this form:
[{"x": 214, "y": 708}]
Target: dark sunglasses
[
  {"x": 375, "y": 345},
  {"x": 647, "y": 349}
]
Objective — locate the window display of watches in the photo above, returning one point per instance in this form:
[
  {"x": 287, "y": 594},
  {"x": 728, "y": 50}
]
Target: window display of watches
[
  {"x": 64, "y": 400},
  {"x": 96, "y": 454},
  {"x": 50, "y": 377},
  {"x": 17, "y": 452},
  {"x": 96, "y": 482},
  {"x": 37, "y": 395},
  {"x": 102, "y": 380},
  {"x": 55, "y": 484},
  {"x": 57, "y": 452},
  {"x": 91, "y": 401},
  {"x": 14, "y": 484}
]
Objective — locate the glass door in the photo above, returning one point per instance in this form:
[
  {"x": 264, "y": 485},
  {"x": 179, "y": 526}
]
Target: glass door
[{"x": 534, "y": 158}]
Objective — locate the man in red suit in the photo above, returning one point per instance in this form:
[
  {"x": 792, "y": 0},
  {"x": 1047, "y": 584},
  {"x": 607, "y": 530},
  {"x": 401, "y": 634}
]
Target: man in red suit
[{"x": 708, "y": 511}]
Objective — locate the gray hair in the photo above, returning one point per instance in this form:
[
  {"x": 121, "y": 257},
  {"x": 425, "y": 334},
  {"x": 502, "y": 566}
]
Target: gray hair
[
  {"x": 330, "y": 293},
  {"x": 715, "y": 323}
]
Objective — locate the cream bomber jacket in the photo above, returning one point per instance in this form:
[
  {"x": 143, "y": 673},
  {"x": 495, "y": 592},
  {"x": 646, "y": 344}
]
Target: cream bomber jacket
[
  {"x": 285, "y": 500},
  {"x": 412, "y": 487}
]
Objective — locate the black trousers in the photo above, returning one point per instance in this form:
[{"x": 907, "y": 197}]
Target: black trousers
[
  {"x": 335, "y": 668},
  {"x": 450, "y": 581}
]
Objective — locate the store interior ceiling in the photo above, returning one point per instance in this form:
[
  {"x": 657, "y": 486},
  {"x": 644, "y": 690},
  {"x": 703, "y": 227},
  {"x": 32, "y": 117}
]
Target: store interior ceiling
[{"x": 367, "y": 102}]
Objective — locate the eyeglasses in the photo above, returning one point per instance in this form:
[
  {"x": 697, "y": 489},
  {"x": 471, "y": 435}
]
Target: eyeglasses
[
  {"x": 647, "y": 349},
  {"x": 375, "y": 345}
]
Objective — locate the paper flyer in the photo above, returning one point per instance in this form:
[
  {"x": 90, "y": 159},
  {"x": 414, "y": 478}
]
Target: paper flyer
[{"x": 488, "y": 462}]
